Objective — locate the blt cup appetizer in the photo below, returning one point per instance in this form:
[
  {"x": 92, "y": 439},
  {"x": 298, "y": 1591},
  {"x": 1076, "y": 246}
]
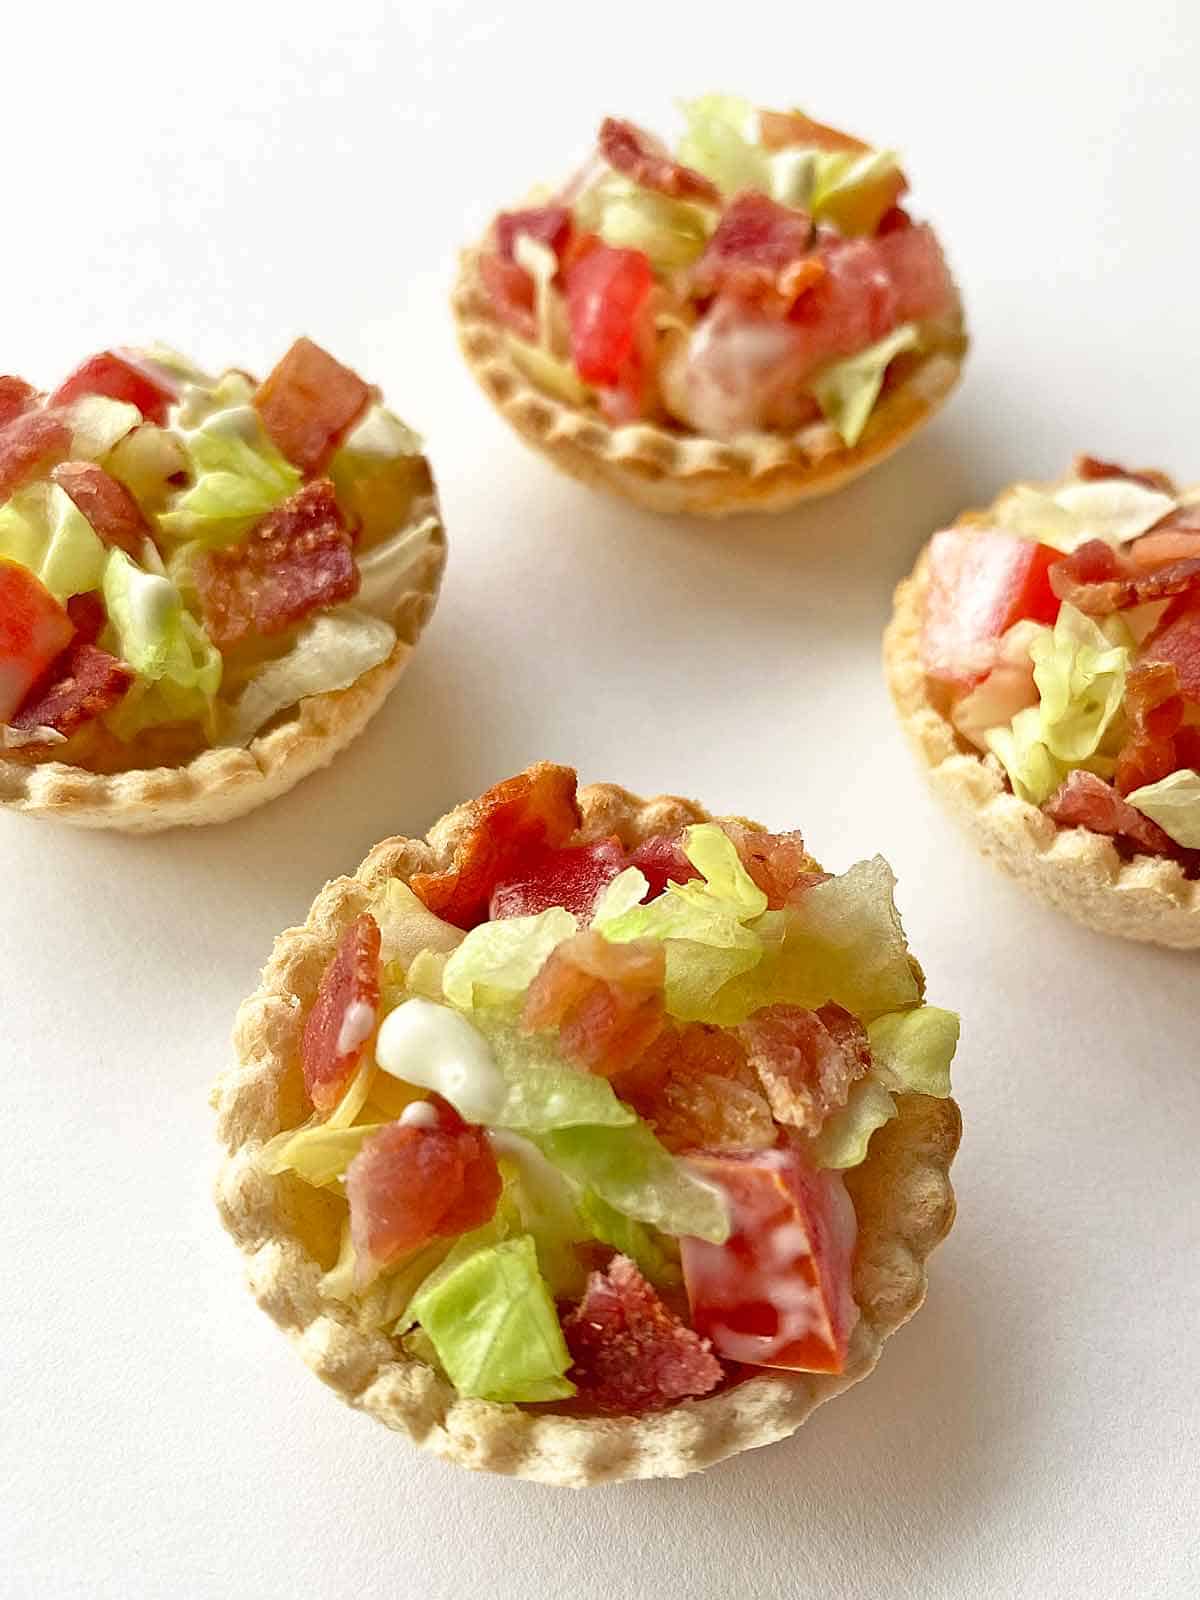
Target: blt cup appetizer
[
  {"x": 751, "y": 320},
  {"x": 1045, "y": 660},
  {"x": 207, "y": 585},
  {"x": 591, "y": 1138}
]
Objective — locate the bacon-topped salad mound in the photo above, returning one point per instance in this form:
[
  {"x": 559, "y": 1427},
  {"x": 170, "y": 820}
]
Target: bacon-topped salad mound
[
  {"x": 759, "y": 302},
  {"x": 1056, "y": 637},
  {"x": 206, "y": 584},
  {"x": 592, "y": 1138}
]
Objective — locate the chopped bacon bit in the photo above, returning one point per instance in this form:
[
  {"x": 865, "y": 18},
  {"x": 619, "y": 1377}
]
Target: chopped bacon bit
[
  {"x": 1086, "y": 801},
  {"x": 549, "y": 225},
  {"x": 894, "y": 220},
  {"x": 695, "y": 1087},
  {"x": 1187, "y": 750},
  {"x": 574, "y": 878},
  {"x": 1165, "y": 545},
  {"x": 16, "y": 398},
  {"x": 1177, "y": 640},
  {"x": 778, "y": 862},
  {"x": 85, "y": 682},
  {"x": 118, "y": 377},
  {"x": 343, "y": 1015},
  {"x": 1098, "y": 580},
  {"x": 410, "y": 1183},
  {"x": 517, "y": 819},
  {"x": 661, "y": 860},
  {"x": 761, "y": 252},
  {"x": 1091, "y": 469},
  {"x": 88, "y": 614},
  {"x": 631, "y": 1353},
  {"x": 913, "y": 260},
  {"x": 107, "y": 504},
  {"x": 29, "y": 445},
  {"x": 605, "y": 999},
  {"x": 687, "y": 1050},
  {"x": 308, "y": 404},
  {"x": 779, "y": 129},
  {"x": 295, "y": 561},
  {"x": 1154, "y": 708},
  {"x": 511, "y": 291},
  {"x": 806, "y": 1060},
  {"x": 645, "y": 159}
]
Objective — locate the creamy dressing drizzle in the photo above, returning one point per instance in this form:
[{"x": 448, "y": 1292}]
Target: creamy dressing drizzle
[
  {"x": 357, "y": 1022},
  {"x": 432, "y": 1047},
  {"x": 420, "y": 1114}
]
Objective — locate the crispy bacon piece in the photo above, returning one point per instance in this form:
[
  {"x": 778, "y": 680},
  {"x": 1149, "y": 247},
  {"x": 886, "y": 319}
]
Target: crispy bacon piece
[
  {"x": 573, "y": 877},
  {"x": 1100, "y": 580},
  {"x": 606, "y": 1000},
  {"x": 913, "y": 260},
  {"x": 308, "y": 404},
  {"x": 778, "y": 862},
  {"x": 779, "y": 129},
  {"x": 87, "y": 612},
  {"x": 297, "y": 560},
  {"x": 696, "y": 1088},
  {"x": 504, "y": 828},
  {"x": 645, "y": 159},
  {"x": 30, "y": 444},
  {"x": 107, "y": 504},
  {"x": 549, "y": 225},
  {"x": 1091, "y": 469},
  {"x": 662, "y": 861},
  {"x": 511, "y": 291},
  {"x": 410, "y": 1183},
  {"x": 1168, "y": 543},
  {"x": 118, "y": 377},
  {"x": 631, "y": 1353},
  {"x": 1177, "y": 640},
  {"x": 16, "y": 397},
  {"x": 343, "y": 1015},
  {"x": 1154, "y": 708},
  {"x": 84, "y": 683},
  {"x": 1086, "y": 801},
  {"x": 761, "y": 252},
  {"x": 806, "y": 1060}
]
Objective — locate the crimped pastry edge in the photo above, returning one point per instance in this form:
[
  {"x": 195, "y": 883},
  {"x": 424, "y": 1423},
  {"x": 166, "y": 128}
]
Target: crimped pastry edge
[
  {"x": 223, "y": 783},
  {"x": 902, "y": 1195},
  {"x": 674, "y": 472},
  {"x": 1078, "y": 871}
]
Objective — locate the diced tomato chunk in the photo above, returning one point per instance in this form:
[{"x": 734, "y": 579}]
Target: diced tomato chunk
[
  {"x": 119, "y": 377},
  {"x": 661, "y": 860},
  {"x": 416, "y": 1181},
  {"x": 107, "y": 504},
  {"x": 631, "y": 1353},
  {"x": 29, "y": 445},
  {"x": 511, "y": 291},
  {"x": 573, "y": 877},
  {"x": 85, "y": 682},
  {"x": 549, "y": 225},
  {"x": 980, "y": 583},
  {"x": 607, "y": 295},
  {"x": 16, "y": 397},
  {"x": 1176, "y": 640},
  {"x": 308, "y": 403},
  {"x": 34, "y": 631},
  {"x": 778, "y": 1292},
  {"x": 343, "y": 1015}
]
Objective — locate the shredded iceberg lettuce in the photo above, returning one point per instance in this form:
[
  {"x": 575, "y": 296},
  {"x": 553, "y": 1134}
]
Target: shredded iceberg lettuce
[
  {"x": 1080, "y": 675},
  {"x": 911, "y": 1051},
  {"x": 722, "y": 142},
  {"x": 843, "y": 1140},
  {"x": 1174, "y": 803},
  {"x": 178, "y": 666},
  {"x": 238, "y": 477},
  {"x": 852, "y": 189},
  {"x": 497, "y": 961},
  {"x": 1111, "y": 509},
  {"x": 42, "y": 528},
  {"x": 847, "y": 390},
  {"x": 656, "y": 1254}
]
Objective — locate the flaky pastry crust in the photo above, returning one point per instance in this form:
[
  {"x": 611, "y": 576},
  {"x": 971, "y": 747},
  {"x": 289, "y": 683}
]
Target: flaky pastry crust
[{"x": 289, "y": 1231}]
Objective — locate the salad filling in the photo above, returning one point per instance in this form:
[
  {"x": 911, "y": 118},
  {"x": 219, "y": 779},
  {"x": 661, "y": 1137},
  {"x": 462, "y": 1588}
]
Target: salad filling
[
  {"x": 764, "y": 276},
  {"x": 1061, "y": 637},
  {"x": 586, "y": 1110},
  {"x": 183, "y": 557}
]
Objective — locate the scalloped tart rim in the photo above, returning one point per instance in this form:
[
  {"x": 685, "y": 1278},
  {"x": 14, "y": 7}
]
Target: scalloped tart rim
[
  {"x": 223, "y": 783},
  {"x": 1073, "y": 869},
  {"x": 677, "y": 472},
  {"x": 902, "y": 1194}
]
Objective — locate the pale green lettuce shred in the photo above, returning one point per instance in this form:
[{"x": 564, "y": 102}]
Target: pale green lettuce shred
[
  {"x": 238, "y": 475},
  {"x": 1174, "y": 803},
  {"x": 494, "y": 1327},
  {"x": 671, "y": 232},
  {"x": 503, "y": 1224},
  {"x": 178, "y": 666},
  {"x": 722, "y": 142},
  {"x": 547, "y": 371},
  {"x": 1080, "y": 675},
  {"x": 391, "y": 569},
  {"x": 630, "y": 1170},
  {"x": 42, "y": 528},
  {"x": 852, "y": 189},
  {"x": 847, "y": 390},
  {"x": 845, "y": 1136},
  {"x": 1111, "y": 509},
  {"x": 911, "y": 1051},
  {"x": 628, "y": 889},
  {"x": 655, "y": 1253},
  {"x": 319, "y": 1155},
  {"x": 407, "y": 927},
  {"x": 543, "y": 1090},
  {"x": 497, "y": 961},
  {"x": 546, "y": 1206},
  {"x": 98, "y": 424},
  {"x": 1033, "y": 770}
]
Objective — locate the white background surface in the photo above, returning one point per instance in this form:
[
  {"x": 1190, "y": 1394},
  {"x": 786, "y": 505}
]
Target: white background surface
[{"x": 227, "y": 176}]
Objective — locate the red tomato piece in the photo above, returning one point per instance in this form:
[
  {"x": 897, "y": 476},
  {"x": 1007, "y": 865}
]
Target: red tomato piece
[
  {"x": 549, "y": 225},
  {"x": 512, "y": 823},
  {"x": 607, "y": 296},
  {"x": 806, "y": 1060},
  {"x": 119, "y": 376},
  {"x": 778, "y": 1292},
  {"x": 16, "y": 397},
  {"x": 605, "y": 999},
  {"x": 662, "y": 861},
  {"x": 343, "y": 1015},
  {"x": 980, "y": 583},
  {"x": 645, "y": 159},
  {"x": 1176, "y": 641},
  {"x": 85, "y": 683},
  {"x": 413, "y": 1182},
  {"x": 29, "y": 445},
  {"x": 295, "y": 561},
  {"x": 107, "y": 504},
  {"x": 573, "y": 878},
  {"x": 34, "y": 631},
  {"x": 778, "y": 862},
  {"x": 308, "y": 403},
  {"x": 512, "y": 293},
  {"x": 1086, "y": 801},
  {"x": 631, "y": 1353}
]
